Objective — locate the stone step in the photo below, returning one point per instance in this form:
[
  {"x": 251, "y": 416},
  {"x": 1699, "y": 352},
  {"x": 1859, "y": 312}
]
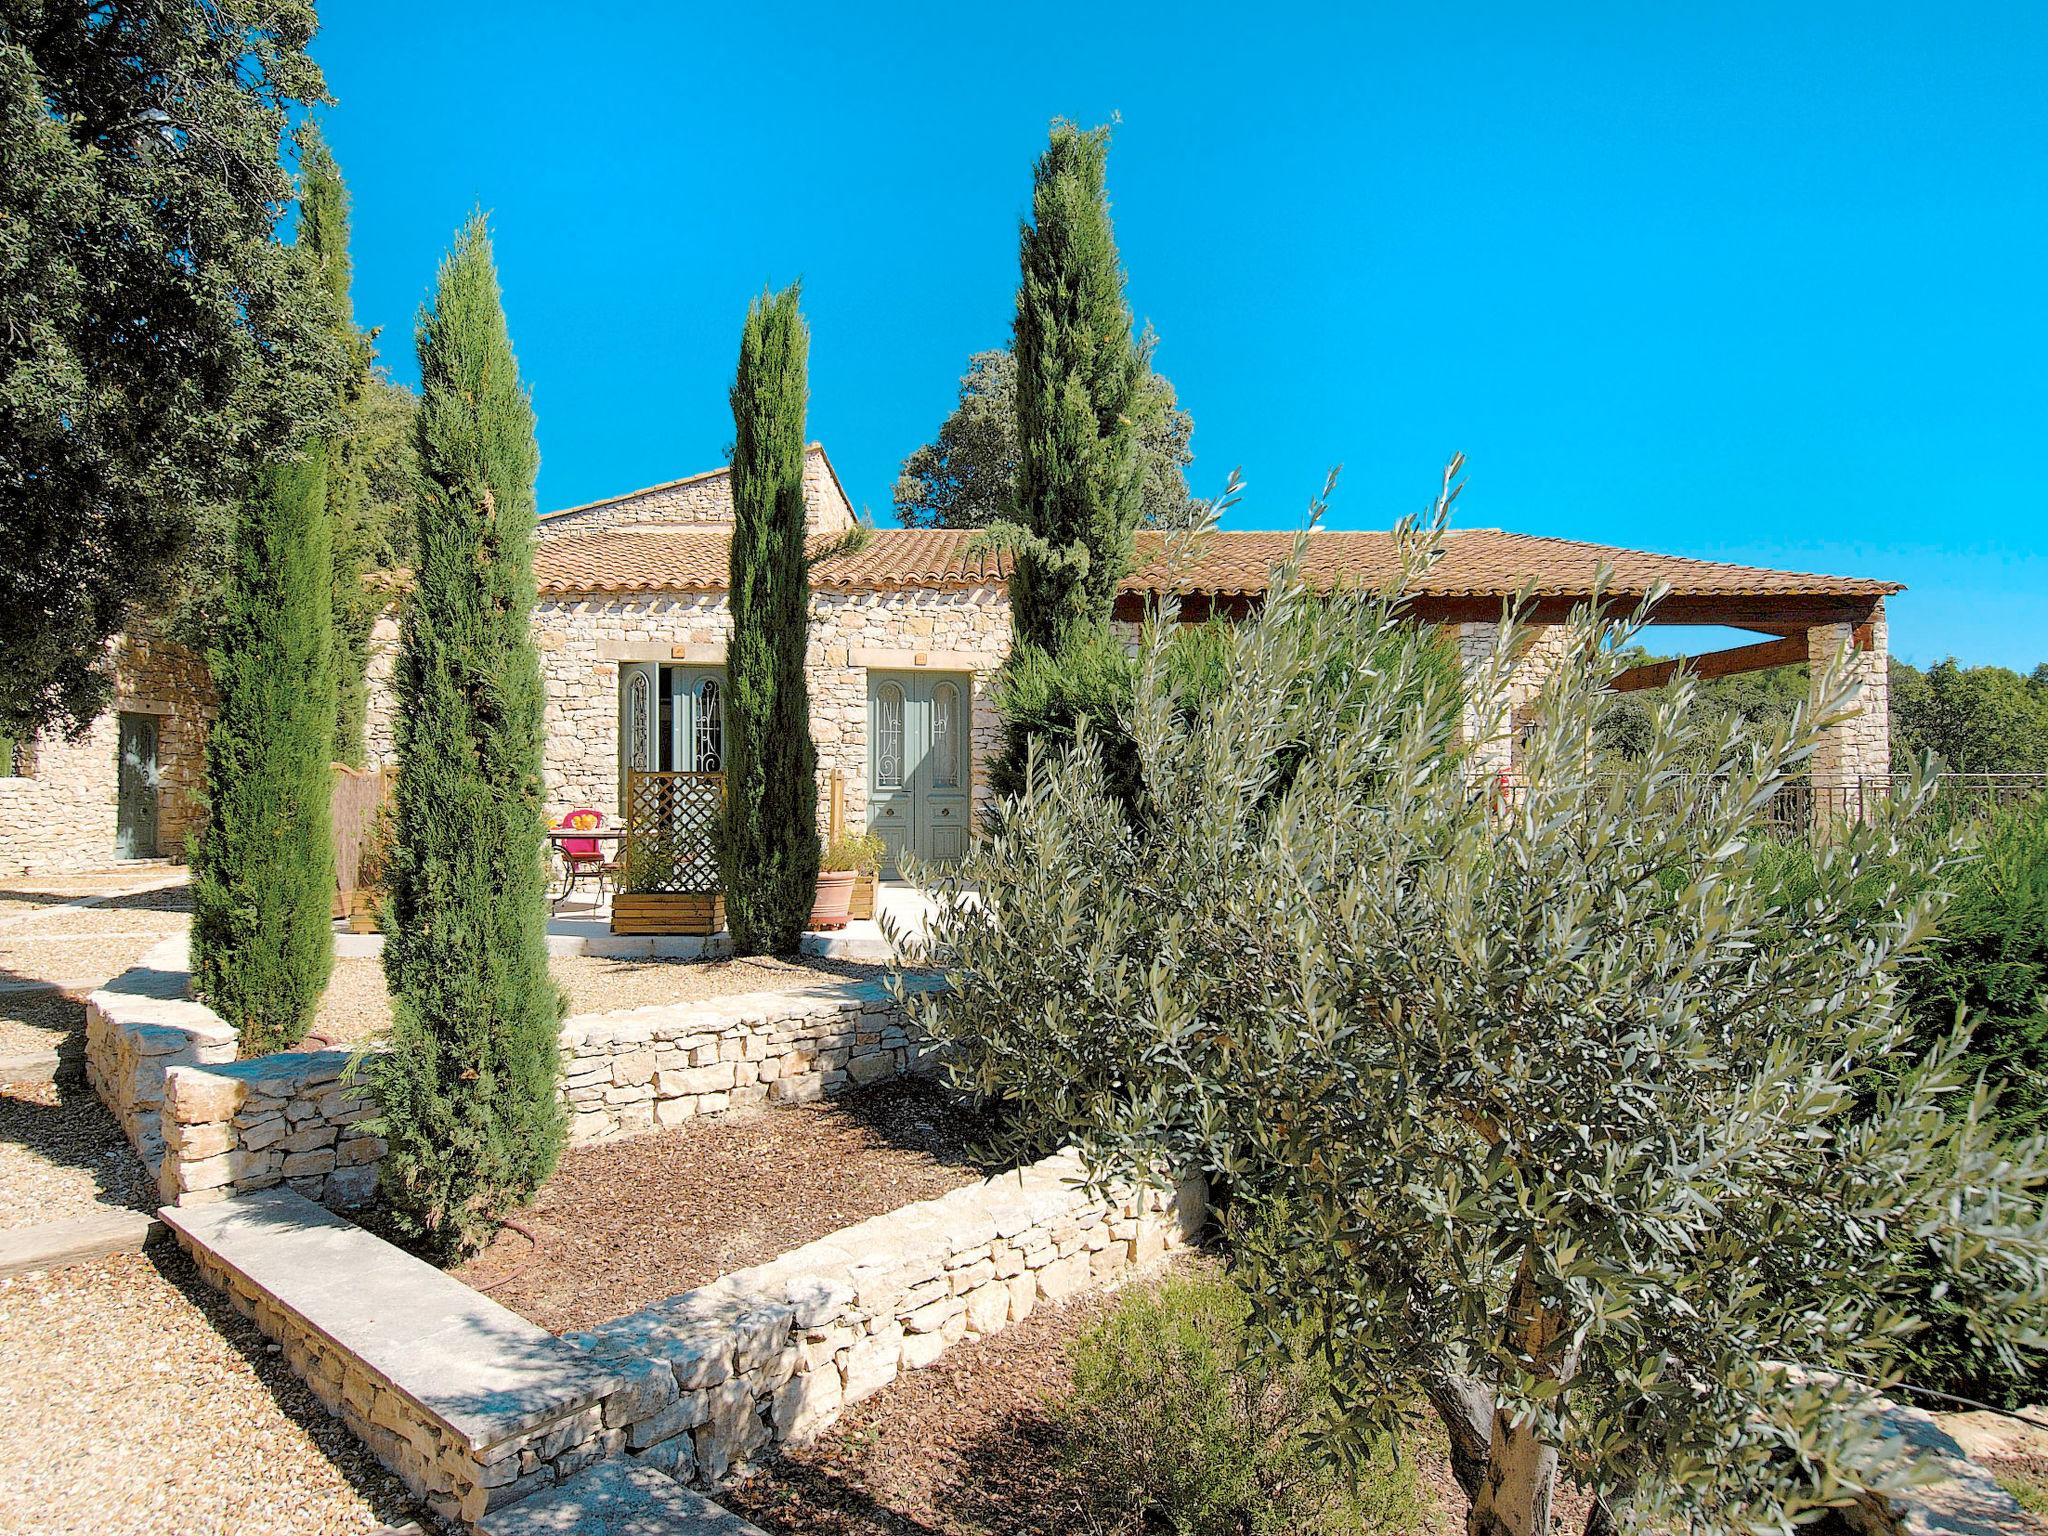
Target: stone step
[
  {"x": 487, "y": 1374},
  {"x": 56, "y": 1244},
  {"x": 616, "y": 1498}
]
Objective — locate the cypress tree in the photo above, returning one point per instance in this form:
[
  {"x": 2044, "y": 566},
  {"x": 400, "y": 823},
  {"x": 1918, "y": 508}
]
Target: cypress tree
[
  {"x": 1080, "y": 481},
  {"x": 263, "y": 875},
  {"x": 323, "y": 230},
  {"x": 768, "y": 848},
  {"x": 468, "y": 1084}
]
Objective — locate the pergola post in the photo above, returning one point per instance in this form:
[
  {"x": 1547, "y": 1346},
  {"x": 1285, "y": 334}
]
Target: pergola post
[{"x": 1859, "y": 747}]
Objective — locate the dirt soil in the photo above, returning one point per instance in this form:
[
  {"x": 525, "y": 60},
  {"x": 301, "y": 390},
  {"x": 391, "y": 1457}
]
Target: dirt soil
[
  {"x": 357, "y": 1006},
  {"x": 62, "y": 1156},
  {"x": 627, "y": 1223},
  {"x": 969, "y": 1447}
]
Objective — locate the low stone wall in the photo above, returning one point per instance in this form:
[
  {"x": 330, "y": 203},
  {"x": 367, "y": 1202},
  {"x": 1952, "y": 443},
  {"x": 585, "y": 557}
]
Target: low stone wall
[
  {"x": 471, "y": 1405},
  {"x": 774, "y": 1353},
  {"x": 209, "y": 1126},
  {"x": 291, "y": 1118},
  {"x": 635, "y": 1070},
  {"x": 138, "y": 1028}
]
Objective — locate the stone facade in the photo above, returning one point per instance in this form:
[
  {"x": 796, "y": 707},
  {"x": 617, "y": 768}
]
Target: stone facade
[
  {"x": 582, "y": 642},
  {"x": 1860, "y": 746},
  {"x": 632, "y": 1071},
  {"x": 705, "y": 501},
  {"x": 774, "y": 1353},
  {"x": 59, "y": 798}
]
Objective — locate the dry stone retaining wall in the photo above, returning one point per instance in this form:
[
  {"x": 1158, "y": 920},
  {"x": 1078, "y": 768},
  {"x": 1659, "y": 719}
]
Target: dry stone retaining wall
[
  {"x": 774, "y": 1353},
  {"x": 209, "y": 1126},
  {"x": 293, "y": 1118},
  {"x": 632, "y": 1071}
]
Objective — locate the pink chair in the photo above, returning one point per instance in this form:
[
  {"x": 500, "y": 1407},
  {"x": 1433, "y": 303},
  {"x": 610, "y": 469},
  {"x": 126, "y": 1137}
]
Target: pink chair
[{"x": 584, "y": 855}]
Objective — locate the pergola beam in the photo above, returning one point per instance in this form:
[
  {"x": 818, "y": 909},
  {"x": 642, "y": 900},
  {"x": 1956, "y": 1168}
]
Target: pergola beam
[{"x": 1729, "y": 663}]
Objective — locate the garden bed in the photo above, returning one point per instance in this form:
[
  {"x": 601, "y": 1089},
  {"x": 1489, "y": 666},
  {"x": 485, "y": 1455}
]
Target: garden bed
[
  {"x": 627, "y": 1223},
  {"x": 358, "y": 1007},
  {"x": 971, "y": 1445}
]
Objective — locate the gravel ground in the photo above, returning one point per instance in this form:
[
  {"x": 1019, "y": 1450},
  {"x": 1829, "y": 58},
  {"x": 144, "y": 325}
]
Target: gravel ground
[
  {"x": 135, "y": 1403},
  {"x": 32, "y": 1023},
  {"x": 968, "y": 1447},
  {"x": 62, "y": 1155},
  {"x": 627, "y": 1223},
  {"x": 357, "y": 1007}
]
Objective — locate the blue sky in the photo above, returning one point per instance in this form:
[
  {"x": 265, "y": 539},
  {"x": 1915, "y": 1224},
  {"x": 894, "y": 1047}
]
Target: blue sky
[{"x": 1757, "y": 283}]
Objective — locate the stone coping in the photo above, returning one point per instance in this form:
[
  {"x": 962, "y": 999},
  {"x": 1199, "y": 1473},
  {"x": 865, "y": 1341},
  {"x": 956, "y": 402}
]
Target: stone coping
[
  {"x": 616, "y": 1498},
  {"x": 482, "y": 1371}
]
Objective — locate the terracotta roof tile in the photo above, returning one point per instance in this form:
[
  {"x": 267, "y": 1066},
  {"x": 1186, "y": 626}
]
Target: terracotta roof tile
[{"x": 1480, "y": 562}]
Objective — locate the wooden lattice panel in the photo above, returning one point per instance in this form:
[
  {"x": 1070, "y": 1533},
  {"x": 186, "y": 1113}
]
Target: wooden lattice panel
[{"x": 670, "y": 820}]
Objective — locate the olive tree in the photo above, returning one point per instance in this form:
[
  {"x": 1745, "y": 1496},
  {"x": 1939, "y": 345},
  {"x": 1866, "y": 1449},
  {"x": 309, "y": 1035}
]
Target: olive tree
[{"x": 1557, "y": 1110}]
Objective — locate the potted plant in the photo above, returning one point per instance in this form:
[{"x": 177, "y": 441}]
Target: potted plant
[{"x": 845, "y": 861}]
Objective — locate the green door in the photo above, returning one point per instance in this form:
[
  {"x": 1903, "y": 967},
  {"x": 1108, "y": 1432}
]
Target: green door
[
  {"x": 136, "y": 782},
  {"x": 919, "y": 768},
  {"x": 671, "y": 719}
]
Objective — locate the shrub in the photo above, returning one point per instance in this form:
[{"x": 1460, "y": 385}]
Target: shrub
[
  {"x": 1177, "y": 1416},
  {"x": 860, "y": 852},
  {"x": 1561, "y": 1115}
]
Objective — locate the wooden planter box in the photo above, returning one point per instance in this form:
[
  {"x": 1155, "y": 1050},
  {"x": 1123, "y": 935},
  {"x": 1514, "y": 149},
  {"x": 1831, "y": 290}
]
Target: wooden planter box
[
  {"x": 359, "y": 911},
  {"x": 863, "y": 908},
  {"x": 700, "y": 913}
]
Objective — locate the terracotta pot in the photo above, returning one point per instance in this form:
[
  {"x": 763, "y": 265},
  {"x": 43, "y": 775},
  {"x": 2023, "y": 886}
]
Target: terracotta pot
[{"x": 835, "y": 898}]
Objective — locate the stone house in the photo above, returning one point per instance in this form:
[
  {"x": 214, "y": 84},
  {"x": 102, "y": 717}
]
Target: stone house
[{"x": 906, "y": 634}]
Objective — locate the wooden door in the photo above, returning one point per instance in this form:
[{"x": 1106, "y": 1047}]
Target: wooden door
[
  {"x": 920, "y": 769},
  {"x": 135, "y": 811}
]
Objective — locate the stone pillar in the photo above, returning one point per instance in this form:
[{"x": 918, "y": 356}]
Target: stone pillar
[
  {"x": 1859, "y": 747},
  {"x": 1489, "y": 734}
]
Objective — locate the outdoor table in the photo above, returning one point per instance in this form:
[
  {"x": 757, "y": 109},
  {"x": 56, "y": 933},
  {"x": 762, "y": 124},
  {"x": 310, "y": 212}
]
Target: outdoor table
[{"x": 559, "y": 835}]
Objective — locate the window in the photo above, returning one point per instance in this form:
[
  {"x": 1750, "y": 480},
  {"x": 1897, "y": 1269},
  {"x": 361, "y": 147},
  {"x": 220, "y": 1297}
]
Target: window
[
  {"x": 946, "y": 736},
  {"x": 710, "y": 746},
  {"x": 639, "y": 720},
  {"x": 889, "y": 737}
]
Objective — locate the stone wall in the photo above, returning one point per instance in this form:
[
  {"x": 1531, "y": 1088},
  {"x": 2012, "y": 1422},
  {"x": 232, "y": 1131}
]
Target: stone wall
[
  {"x": 1493, "y": 728},
  {"x": 638, "y": 1069},
  {"x": 582, "y": 641},
  {"x": 1859, "y": 747},
  {"x": 292, "y": 1118},
  {"x": 703, "y": 500},
  {"x": 139, "y": 1028},
  {"x": 774, "y": 1353},
  {"x": 60, "y": 813}
]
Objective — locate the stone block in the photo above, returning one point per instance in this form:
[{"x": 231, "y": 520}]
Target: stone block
[
  {"x": 649, "y": 1387},
  {"x": 1063, "y": 1278},
  {"x": 305, "y": 1164},
  {"x": 685, "y": 1412},
  {"x": 193, "y": 1095},
  {"x": 921, "y": 1349},
  {"x": 988, "y": 1309},
  {"x": 805, "y": 1404},
  {"x": 872, "y": 1363},
  {"x": 760, "y": 1335},
  {"x": 310, "y": 1138}
]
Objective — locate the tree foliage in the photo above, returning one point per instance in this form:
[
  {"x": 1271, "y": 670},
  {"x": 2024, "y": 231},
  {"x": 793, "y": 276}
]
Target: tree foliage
[
  {"x": 1975, "y": 719},
  {"x": 370, "y": 449},
  {"x": 157, "y": 344},
  {"x": 1553, "y": 1109},
  {"x": 468, "y": 1083},
  {"x": 263, "y": 870},
  {"x": 1079, "y": 477},
  {"x": 768, "y": 844},
  {"x": 966, "y": 477}
]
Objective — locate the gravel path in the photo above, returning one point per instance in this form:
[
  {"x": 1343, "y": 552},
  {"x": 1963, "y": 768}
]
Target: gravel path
[
  {"x": 627, "y": 1223},
  {"x": 357, "y": 1006},
  {"x": 136, "y": 1403},
  {"x": 62, "y": 1155}
]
